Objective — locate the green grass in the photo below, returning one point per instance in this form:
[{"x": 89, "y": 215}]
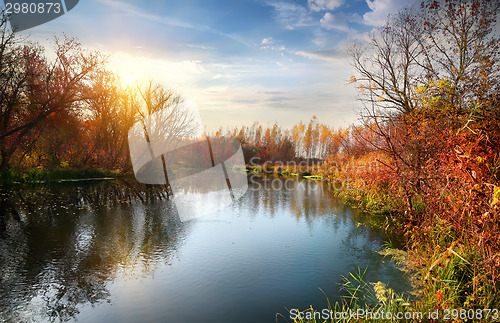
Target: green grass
[
  {"x": 360, "y": 298},
  {"x": 453, "y": 274},
  {"x": 446, "y": 274},
  {"x": 40, "y": 175}
]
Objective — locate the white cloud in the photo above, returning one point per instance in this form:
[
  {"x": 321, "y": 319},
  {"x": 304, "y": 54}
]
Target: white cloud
[
  {"x": 270, "y": 43},
  {"x": 380, "y": 9},
  {"x": 243, "y": 106},
  {"x": 318, "y": 5},
  {"x": 355, "y": 36},
  {"x": 355, "y": 17},
  {"x": 226, "y": 86},
  {"x": 334, "y": 21},
  {"x": 137, "y": 11},
  {"x": 282, "y": 66},
  {"x": 323, "y": 55},
  {"x": 290, "y": 14},
  {"x": 267, "y": 41},
  {"x": 319, "y": 40}
]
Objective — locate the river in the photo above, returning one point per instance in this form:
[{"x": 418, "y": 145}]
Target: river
[{"x": 109, "y": 251}]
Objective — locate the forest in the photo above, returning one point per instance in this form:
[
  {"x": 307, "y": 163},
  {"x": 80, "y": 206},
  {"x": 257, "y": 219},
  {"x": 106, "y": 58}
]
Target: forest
[{"x": 425, "y": 153}]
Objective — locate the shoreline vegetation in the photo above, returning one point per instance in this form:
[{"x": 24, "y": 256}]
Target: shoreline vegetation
[
  {"x": 425, "y": 153},
  {"x": 42, "y": 176},
  {"x": 442, "y": 267}
]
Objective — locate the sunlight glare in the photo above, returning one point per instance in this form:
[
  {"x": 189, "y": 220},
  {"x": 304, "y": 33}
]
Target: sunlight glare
[{"x": 126, "y": 69}]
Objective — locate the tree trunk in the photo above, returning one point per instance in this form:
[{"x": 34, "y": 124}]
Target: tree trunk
[
  {"x": 6, "y": 155},
  {"x": 4, "y": 165}
]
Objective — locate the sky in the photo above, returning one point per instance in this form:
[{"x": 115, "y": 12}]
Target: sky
[{"x": 239, "y": 61}]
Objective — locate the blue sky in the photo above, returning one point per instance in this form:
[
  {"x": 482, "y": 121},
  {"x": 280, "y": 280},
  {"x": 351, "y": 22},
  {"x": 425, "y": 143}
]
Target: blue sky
[{"x": 240, "y": 61}]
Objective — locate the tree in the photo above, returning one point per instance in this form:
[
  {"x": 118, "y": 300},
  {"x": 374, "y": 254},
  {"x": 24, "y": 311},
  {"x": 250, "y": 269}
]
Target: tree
[
  {"x": 450, "y": 40},
  {"x": 32, "y": 87},
  {"x": 175, "y": 122},
  {"x": 110, "y": 111},
  {"x": 422, "y": 76},
  {"x": 458, "y": 44}
]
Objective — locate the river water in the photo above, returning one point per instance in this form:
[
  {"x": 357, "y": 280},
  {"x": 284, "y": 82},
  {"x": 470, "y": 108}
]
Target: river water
[{"x": 112, "y": 252}]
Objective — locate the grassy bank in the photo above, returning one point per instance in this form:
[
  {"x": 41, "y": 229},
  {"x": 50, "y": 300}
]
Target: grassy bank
[
  {"x": 447, "y": 272},
  {"x": 379, "y": 199},
  {"x": 449, "y": 283},
  {"x": 41, "y": 175}
]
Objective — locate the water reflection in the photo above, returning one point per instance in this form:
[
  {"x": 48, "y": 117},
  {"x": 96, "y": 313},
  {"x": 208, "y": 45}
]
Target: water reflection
[
  {"x": 308, "y": 200},
  {"x": 62, "y": 243},
  {"x": 70, "y": 249}
]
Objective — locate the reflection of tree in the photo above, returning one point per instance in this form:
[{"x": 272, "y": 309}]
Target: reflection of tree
[
  {"x": 62, "y": 244},
  {"x": 306, "y": 200}
]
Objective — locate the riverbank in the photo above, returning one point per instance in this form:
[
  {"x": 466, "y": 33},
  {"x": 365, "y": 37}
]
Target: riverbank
[
  {"x": 447, "y": 272},
  {"x": 35, "y": 175}
]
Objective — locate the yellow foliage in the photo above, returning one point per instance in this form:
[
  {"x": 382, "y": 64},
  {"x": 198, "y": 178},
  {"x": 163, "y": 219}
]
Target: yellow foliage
[
  {"x": 496, "y": 196},
  {"x": 381, "y": 292}
]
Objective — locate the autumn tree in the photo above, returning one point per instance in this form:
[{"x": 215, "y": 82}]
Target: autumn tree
[
  {"x": 34, "y": 88},
  {"x": 109, "y": 113},
  {"x": 444, "y": 51}
]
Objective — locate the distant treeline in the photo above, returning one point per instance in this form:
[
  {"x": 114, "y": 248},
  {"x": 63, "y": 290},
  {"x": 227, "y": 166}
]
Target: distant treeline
[{"x": 314, "y": 141}]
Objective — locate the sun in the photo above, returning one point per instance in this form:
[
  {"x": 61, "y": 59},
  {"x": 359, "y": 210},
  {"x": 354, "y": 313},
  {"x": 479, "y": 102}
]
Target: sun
[
  {"x": 126, "y": 69},
  {"x": 127, "y": 78}
]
